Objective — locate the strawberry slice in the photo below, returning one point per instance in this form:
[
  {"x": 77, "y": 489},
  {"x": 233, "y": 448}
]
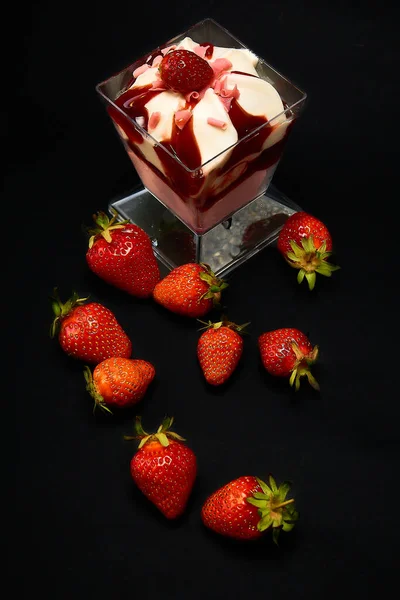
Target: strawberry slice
[{"x": 184, "y": 71}]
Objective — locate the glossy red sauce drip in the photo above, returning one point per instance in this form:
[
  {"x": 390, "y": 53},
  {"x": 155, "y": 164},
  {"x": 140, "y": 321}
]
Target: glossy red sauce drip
[
  {"x": 132, "y": 102},
  {"x": 209, "y": 51},
  {"x": 183, "y": 145}
]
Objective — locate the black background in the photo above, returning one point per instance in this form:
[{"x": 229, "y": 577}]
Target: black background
[{"x": 81, "y": 527}]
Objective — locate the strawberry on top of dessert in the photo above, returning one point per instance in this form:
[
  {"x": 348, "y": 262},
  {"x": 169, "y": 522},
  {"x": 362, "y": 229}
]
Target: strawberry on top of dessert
[{"x": 215, "y": 91}]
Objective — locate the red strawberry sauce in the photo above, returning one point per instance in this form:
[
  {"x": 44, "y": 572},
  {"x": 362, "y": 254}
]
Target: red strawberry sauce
[{"x": 183, "y": 144}]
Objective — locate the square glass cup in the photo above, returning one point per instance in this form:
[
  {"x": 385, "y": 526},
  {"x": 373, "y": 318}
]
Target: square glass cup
[{"x": 207, "y": 213}]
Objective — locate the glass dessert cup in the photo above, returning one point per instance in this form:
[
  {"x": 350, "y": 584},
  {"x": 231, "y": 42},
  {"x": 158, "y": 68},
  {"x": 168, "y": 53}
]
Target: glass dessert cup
[{"x": 220, "y": 212}]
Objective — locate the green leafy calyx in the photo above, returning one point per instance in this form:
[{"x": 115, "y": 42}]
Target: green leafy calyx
[
  {"x": 310, "y": 261},
  {"x": 62, "y": 309},
  {"x": 104, "y": 226},
  {"x": 215, "y": 285},
  {"x": 92, "y": 389},
  {"x": 276, "y": 512},
  {"x": 223, "y": 323},
  {"x": 162, "y": 435},
  {"x": 302, "y": 367}
]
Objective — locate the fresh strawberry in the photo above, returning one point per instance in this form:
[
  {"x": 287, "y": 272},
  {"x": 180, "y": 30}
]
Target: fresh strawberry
[
  {"x": 219, "y": 350},
  {"x": 118, "y": 382},
  {"x": 246, "y": 508},
  {"x": 184, "y": 71},
  {"x": 121, "y": 254},
  {"x": 164, "y": 468},
  {"x": 288, "y": 352},
  {"x": 89, "y": 332},
  {"x": 306, "y": 244},
  {"x": 190, "y": 290}
]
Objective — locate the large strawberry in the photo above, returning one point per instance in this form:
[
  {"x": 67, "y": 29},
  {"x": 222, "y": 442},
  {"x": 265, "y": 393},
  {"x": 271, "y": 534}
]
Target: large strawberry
[
  {"x": 247, "y": 507},
  {"x": 184, "y": 71},
  {"x": 118, "y": 382},
  {"x": 306, "y": 244},
  {"x": 90, "y": 331},
  {"x": 121, "y": 254},
  {"x": 164, "y": 468},
  {"x": 190, "y": 290},
  {"x": 288, "y": 352},
  {"x": 219, "y": 350}
]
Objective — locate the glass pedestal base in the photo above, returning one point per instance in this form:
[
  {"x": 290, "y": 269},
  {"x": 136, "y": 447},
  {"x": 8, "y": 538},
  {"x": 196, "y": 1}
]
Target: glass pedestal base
[{"x": 224, "y": 247}]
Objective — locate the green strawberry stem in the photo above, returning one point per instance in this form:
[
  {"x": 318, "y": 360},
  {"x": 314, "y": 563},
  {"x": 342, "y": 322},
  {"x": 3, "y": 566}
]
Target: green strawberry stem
[
  {"x": 302, "y": 367},
  {"x": 91, "y": 388},
  {"x": 216, "y": 285},
  {"x": 275, "y": 511},
  {"x": 104, "y": 226},
  {"x": 284, "y": 503},
  {"x": 162, "y": 435},
  {"x": 310, "y": 261},
  {"x": 61, "y": 309}
]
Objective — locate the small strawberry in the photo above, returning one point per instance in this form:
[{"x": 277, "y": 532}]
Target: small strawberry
[
  {"x": 219, "y": 350},
  {"x": 164, "y": 468},
  {"x": 184, "y": 71},
  {"x": 244, "y": 509},
  {"x": 306, "y": 244},
  {"x": 121, "y": 254},
  {"x": 190, "y": 290},
  {"x": 119, "y": 382},
  {"x": 89, "y": 332},
  {"x": 288, "y": 352}
]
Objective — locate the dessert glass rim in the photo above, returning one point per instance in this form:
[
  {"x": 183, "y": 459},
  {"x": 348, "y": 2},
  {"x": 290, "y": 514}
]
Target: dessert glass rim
[{"x": 251, "y": 133}]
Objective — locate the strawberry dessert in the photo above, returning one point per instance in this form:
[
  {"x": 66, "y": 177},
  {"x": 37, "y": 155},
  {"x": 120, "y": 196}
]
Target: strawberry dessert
[{"x": 203, "y": 129}]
